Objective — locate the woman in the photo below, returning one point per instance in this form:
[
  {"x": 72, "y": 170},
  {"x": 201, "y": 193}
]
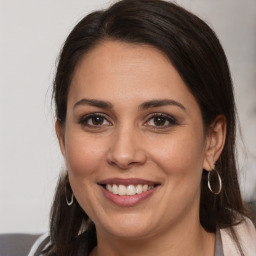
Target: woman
[{"x": 146, "y": 124}]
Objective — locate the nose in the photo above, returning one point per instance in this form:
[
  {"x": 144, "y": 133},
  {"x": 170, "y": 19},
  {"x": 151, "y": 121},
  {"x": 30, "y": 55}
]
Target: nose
[{"x": 126, "y": 149}]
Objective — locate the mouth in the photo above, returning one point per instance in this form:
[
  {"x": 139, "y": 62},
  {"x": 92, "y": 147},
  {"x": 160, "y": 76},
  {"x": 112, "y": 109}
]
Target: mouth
[{"x": 127, "y": 192}]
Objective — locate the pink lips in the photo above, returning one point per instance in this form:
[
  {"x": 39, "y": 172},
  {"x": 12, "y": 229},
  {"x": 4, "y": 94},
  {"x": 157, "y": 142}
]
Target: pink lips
[{"x": 125, "y": 200}]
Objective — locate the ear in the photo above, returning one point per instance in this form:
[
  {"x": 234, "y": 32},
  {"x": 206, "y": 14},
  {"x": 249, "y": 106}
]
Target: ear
[
  {"x": 215, "y": 142},
  {"x": 60, "y": 135}
]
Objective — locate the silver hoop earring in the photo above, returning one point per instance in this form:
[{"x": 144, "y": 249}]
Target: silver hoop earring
[
  {"x": 69, "y": 203},
  {"x": 217, "y": 183}
]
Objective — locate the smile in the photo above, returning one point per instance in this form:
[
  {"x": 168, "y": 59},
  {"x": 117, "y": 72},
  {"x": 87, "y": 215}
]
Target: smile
[{"x": 129, "y": 190}]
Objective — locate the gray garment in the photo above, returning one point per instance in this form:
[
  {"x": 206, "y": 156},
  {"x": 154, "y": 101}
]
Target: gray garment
[{"x": 16, "y": 244}]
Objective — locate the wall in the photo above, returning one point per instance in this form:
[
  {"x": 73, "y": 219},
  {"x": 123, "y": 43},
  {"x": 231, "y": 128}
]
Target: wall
[{"x": 32, "y": 33}]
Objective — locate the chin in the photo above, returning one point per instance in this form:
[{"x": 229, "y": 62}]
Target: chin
[{"x": 128, "y": 226}]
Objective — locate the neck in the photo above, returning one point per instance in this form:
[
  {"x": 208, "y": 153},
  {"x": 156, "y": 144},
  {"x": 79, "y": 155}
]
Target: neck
[{"x": 187, "y": 239}]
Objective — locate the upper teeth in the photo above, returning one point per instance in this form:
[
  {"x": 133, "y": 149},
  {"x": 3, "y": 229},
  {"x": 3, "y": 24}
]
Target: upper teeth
[{"x": 129, "y": 190}]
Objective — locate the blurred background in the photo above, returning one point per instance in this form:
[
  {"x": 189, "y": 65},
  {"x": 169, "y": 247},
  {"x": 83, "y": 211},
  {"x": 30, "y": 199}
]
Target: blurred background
[{"x": 31, "y": 35}]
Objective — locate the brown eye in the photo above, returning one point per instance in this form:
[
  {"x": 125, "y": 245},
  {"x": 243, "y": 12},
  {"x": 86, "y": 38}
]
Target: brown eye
[
  {"x": 161, "y": 121},
  {"x": 94, "y": 120},
  {"x": 97, "y": 120}
]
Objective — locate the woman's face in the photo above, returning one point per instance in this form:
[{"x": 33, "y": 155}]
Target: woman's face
[{"x": 133, "y": 143}]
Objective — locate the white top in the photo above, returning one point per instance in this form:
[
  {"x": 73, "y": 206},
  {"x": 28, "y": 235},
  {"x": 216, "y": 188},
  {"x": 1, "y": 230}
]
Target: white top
[
  {"x": 37, "y": 244},
  {"x": 247, "y": 237}
]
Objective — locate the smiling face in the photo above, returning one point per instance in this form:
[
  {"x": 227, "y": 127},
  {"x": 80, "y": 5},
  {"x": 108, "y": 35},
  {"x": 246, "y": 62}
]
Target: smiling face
[{"x": 134, "y": 141}]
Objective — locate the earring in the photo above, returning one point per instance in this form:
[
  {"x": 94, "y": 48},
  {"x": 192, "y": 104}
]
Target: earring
[
  {"x": 69, "y": 203},
  {"x": 217, "y": 183}
]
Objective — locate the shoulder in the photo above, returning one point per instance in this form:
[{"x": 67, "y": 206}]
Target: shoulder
[
  {"x": 246, "y": 235},
  {"x": 39, "y": 245},
  {"x": 83, "y": 242}
]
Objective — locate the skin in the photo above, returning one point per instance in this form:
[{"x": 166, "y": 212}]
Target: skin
[{"x": 129, "y": 143}]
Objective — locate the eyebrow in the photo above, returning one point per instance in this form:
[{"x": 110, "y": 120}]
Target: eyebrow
[
  {"x": 161, "y": 103},
  {"x": 143, "y": 106},
  {"x": 94, "y": 103}
]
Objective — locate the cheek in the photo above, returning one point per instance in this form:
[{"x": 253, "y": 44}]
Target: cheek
[
  {"x": 180, "y": 155},
  {"x": 83, "y": 154},
  {"x": 83, "y": 161},
  {"x": 180, "y": 159}
]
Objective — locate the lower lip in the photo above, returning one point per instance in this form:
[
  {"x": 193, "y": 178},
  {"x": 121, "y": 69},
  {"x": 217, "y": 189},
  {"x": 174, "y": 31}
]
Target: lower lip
[{"x": 127, "y": 201}]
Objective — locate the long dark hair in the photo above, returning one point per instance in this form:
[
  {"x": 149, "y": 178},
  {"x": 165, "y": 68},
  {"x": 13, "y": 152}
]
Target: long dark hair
[{"x": 194, "y": 50}]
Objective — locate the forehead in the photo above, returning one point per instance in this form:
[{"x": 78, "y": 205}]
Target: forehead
[{"x": 117, "y": 71}]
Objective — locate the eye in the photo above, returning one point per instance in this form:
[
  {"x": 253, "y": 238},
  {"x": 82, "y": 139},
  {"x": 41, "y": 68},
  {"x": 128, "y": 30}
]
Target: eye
[
  {"x": 96, "y": 120},
  {"x": 160, "y": 121}
]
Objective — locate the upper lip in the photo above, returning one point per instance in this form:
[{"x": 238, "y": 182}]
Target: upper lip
[{"x": 129, "y": 181}]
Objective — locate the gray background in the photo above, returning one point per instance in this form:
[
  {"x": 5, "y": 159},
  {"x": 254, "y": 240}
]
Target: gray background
[{"x": 31, "y": 34}]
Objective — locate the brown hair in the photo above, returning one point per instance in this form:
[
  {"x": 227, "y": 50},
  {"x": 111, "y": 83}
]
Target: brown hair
[{"x": 194, "y": 50}]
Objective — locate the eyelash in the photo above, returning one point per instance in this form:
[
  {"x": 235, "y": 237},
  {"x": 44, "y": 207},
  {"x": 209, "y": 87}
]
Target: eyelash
[
  {"x": 172, "y": 121},
  {"x": 84, "y": 120}
]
